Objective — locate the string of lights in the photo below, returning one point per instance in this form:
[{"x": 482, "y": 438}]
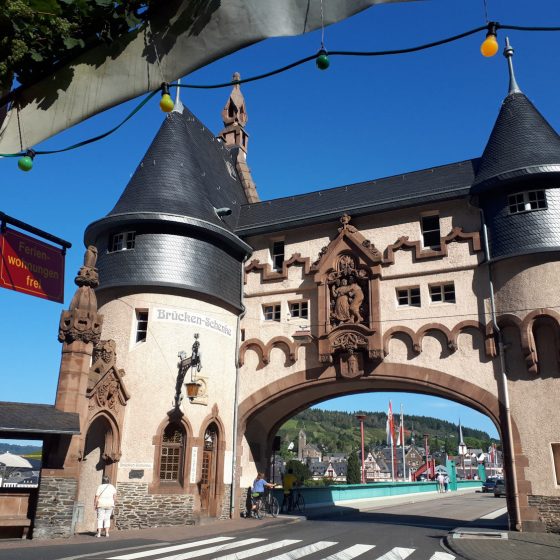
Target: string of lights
[{"x": 488, "y": 48}]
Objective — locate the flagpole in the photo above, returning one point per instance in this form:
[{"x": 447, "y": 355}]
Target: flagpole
[
  {"x": 391, "y": 428},
  {"x": 402, "y": 442}
]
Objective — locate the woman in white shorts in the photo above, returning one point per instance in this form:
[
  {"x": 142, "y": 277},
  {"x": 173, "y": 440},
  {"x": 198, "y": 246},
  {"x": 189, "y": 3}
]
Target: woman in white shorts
[{"x": 104, "y": 503}]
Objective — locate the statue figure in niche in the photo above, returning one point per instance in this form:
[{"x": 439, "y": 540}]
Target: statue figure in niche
[
  {"x": 357, "y": 297},
  {"x": 342, "y": 301},
  {"x": 348, "y": 299}
]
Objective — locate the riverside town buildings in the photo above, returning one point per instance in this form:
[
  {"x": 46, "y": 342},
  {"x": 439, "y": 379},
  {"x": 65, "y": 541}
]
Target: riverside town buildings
[{"x": 442, "y": 281}]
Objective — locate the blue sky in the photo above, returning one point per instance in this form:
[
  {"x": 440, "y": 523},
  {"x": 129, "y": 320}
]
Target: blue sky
[{"x": 361, "y": 119}]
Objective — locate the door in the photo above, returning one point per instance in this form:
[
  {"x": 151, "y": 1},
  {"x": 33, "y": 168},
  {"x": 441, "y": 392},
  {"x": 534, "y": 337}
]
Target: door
[{"x": 208, "y": 479}]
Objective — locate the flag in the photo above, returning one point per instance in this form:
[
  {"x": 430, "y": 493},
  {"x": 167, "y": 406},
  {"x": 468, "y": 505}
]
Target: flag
[
  {"x": 390, "y": 426},
  {"x": 290, "y": 445},
  {"x": 399, "y": 439},
  {"x": 179, "y": 38}
]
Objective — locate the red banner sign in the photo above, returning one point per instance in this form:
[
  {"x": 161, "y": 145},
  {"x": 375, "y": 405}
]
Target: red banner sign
[{"x": 31, "y": 266}]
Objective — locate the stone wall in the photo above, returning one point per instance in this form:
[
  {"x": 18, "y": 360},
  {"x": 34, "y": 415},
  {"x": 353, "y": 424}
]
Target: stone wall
[
  {"x": 226, "y": 501},
  {"x": 136, "y": 508},
  {"x": 549, "y": 511},
  {"x": 55, "y": 507}
]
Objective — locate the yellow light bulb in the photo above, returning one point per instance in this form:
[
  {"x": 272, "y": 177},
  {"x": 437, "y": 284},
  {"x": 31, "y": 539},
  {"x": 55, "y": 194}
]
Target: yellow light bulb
[
  {"x": 490, "y": 45},
  {"x": 166, "y": 104}
]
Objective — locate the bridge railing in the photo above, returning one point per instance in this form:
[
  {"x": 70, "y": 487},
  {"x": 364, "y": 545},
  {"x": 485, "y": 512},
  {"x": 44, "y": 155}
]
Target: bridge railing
[{"x": 321, "y": 496}]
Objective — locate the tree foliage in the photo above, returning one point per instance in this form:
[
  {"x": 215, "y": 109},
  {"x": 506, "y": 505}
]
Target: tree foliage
[
  {"x": 301, "y": 470},
  {"x": 339, "y": 432},
  {"x": 353, "y": 475},
  {"x": 36, "y": 35}
]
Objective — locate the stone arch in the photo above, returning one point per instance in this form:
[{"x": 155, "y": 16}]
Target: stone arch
[
  {"x": 535, "y": 352},
  {"x": 438, "y": 328},
  {"x": 101, "y": 436},
  {"x": 263, "y": 412},
  {"x": 256, "y": 345},
  {"x": 389, "y": 333},
  {"x": 290, "y": 348}
]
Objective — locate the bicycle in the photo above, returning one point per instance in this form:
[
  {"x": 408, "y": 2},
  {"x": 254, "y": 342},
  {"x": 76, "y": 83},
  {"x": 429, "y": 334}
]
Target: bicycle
[
  {"x": 265, "y": 504},
  {"x": 269, "y": 504},
  {"x": 298, "y": 501}
]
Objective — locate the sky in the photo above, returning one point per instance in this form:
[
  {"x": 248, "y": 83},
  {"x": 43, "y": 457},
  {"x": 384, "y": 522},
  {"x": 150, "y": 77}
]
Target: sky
[{"x": 363, "y": 118}]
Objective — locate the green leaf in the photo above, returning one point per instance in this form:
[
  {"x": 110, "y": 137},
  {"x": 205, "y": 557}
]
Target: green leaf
[
  {"x": 37, "y": 57},
  {"x": 71, "y": 42}
]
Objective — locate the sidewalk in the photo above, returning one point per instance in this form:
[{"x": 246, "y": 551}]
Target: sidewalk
[
  {"x": 159, "y": 534},
  {"x": 472, "y": 544}
]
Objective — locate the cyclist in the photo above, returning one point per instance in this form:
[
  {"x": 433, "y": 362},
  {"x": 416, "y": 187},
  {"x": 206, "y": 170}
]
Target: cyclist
[
  {"x": 259, "y": 485},
  {"x": 288, "y": 482}
]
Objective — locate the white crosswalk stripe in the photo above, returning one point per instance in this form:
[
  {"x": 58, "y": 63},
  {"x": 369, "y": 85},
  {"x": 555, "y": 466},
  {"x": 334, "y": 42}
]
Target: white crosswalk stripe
[
  {"x": 257, "y": 550},
  {"x": 397, "y": 554},
  {"x": 352, "y": 552},
  {"x": 219, "y": 545},
  {"x": 167, "y": 549},
  {"x": 211, "y": 549},
  {"x": 304, "y": 551}
]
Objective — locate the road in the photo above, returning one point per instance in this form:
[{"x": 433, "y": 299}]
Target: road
[{"x": 390, "y": 532}]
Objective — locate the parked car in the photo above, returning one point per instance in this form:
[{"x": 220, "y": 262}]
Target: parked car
[
  {"x": 500, "y": 488},
  {"x": 489, "y": 484}
]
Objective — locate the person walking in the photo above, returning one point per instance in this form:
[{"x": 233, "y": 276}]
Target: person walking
[
  {"x": 104, "y": 502},
  {"x": 446, "y": 483},
  {"x": 440, "y": 482}
]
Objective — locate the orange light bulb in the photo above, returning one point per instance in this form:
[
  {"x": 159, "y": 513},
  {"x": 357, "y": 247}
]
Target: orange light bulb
[{"x": 490, "y": 45}]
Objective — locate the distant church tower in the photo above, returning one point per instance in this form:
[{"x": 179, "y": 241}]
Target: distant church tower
[{"x": 302, "y": 442}]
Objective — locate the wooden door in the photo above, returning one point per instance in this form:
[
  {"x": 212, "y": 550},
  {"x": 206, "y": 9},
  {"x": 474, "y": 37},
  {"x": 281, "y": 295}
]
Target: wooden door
[{"x": 208, "y": 479}]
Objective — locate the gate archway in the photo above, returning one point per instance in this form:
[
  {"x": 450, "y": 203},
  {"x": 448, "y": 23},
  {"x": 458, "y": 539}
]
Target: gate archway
[{"x": 262, "y": 414}]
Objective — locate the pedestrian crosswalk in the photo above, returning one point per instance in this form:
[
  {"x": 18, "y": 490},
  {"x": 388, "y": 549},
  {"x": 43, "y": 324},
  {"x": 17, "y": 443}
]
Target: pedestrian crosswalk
[{"x": 234, "y": 548}]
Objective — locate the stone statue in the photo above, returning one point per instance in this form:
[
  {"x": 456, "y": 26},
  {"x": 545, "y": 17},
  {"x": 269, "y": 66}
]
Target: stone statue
[{"x": 342, "y": 302}]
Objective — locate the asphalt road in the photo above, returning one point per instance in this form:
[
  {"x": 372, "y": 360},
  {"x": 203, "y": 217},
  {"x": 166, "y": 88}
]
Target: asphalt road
[{"x": 390, "y": 532}]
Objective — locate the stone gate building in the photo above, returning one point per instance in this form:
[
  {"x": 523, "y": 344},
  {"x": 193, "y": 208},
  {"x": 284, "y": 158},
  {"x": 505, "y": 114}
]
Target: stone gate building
[{"x": 438, "y": 281}]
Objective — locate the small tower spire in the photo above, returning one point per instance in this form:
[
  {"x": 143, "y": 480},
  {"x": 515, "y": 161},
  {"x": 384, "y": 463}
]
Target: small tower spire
[
  {"x": 234, "y": 116},
  {"x": 508, "y": 53}
]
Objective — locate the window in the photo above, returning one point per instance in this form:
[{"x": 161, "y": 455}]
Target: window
[
  {"x": 299, "y": 309},
  {"x": 277, "y": 255},
  {"x": 408, "y": 296},
  {"x": 122, "y": 241},
  {"x": 526, "y": 201},
  {"x": 141, "y": 325},
  {"x": 556, "y": 459},
  {"x": 431, "y": 234},
  {"x": 271, "y": 312},
  {"x": 172, "y": 452},
  {"x": 443, "y": 293}
]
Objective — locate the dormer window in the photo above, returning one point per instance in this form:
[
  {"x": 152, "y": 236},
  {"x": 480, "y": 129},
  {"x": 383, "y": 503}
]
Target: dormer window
[
  {"x": 277, "y": 254},
  {"x": 431, "y": 234},
  {"x": 124, "y": 241},
  {"x": 527, "y": 201}
]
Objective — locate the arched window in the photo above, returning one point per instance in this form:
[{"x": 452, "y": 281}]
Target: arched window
[{"x": 172, "y": 454}]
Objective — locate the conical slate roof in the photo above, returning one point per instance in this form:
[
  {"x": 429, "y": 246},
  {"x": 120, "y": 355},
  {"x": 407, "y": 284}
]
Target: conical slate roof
[
  {"x": 522, "y": 143},
  {"x": 186, "y": 171}
]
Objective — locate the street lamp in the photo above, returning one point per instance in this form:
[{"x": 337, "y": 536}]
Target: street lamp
[{"x": 361, "y": 418}]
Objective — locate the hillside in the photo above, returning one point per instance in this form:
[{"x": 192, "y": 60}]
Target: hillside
[
  {"x": 334, "y": 431},
  {"x": 33, "y": 450}
]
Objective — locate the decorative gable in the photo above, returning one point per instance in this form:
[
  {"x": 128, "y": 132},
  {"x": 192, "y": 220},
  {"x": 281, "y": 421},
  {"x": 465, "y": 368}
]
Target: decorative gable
[{"x": 347, "y": 275}]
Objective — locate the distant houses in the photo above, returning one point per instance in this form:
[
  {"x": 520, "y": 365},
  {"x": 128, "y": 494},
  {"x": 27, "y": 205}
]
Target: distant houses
[{"x": 380, "y": 462}]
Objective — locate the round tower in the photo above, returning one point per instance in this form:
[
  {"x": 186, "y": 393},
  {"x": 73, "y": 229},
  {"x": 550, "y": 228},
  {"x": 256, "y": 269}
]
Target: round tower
[
  {"x": 170, "y": 292},
  {"x": 516, "y": 187}
]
